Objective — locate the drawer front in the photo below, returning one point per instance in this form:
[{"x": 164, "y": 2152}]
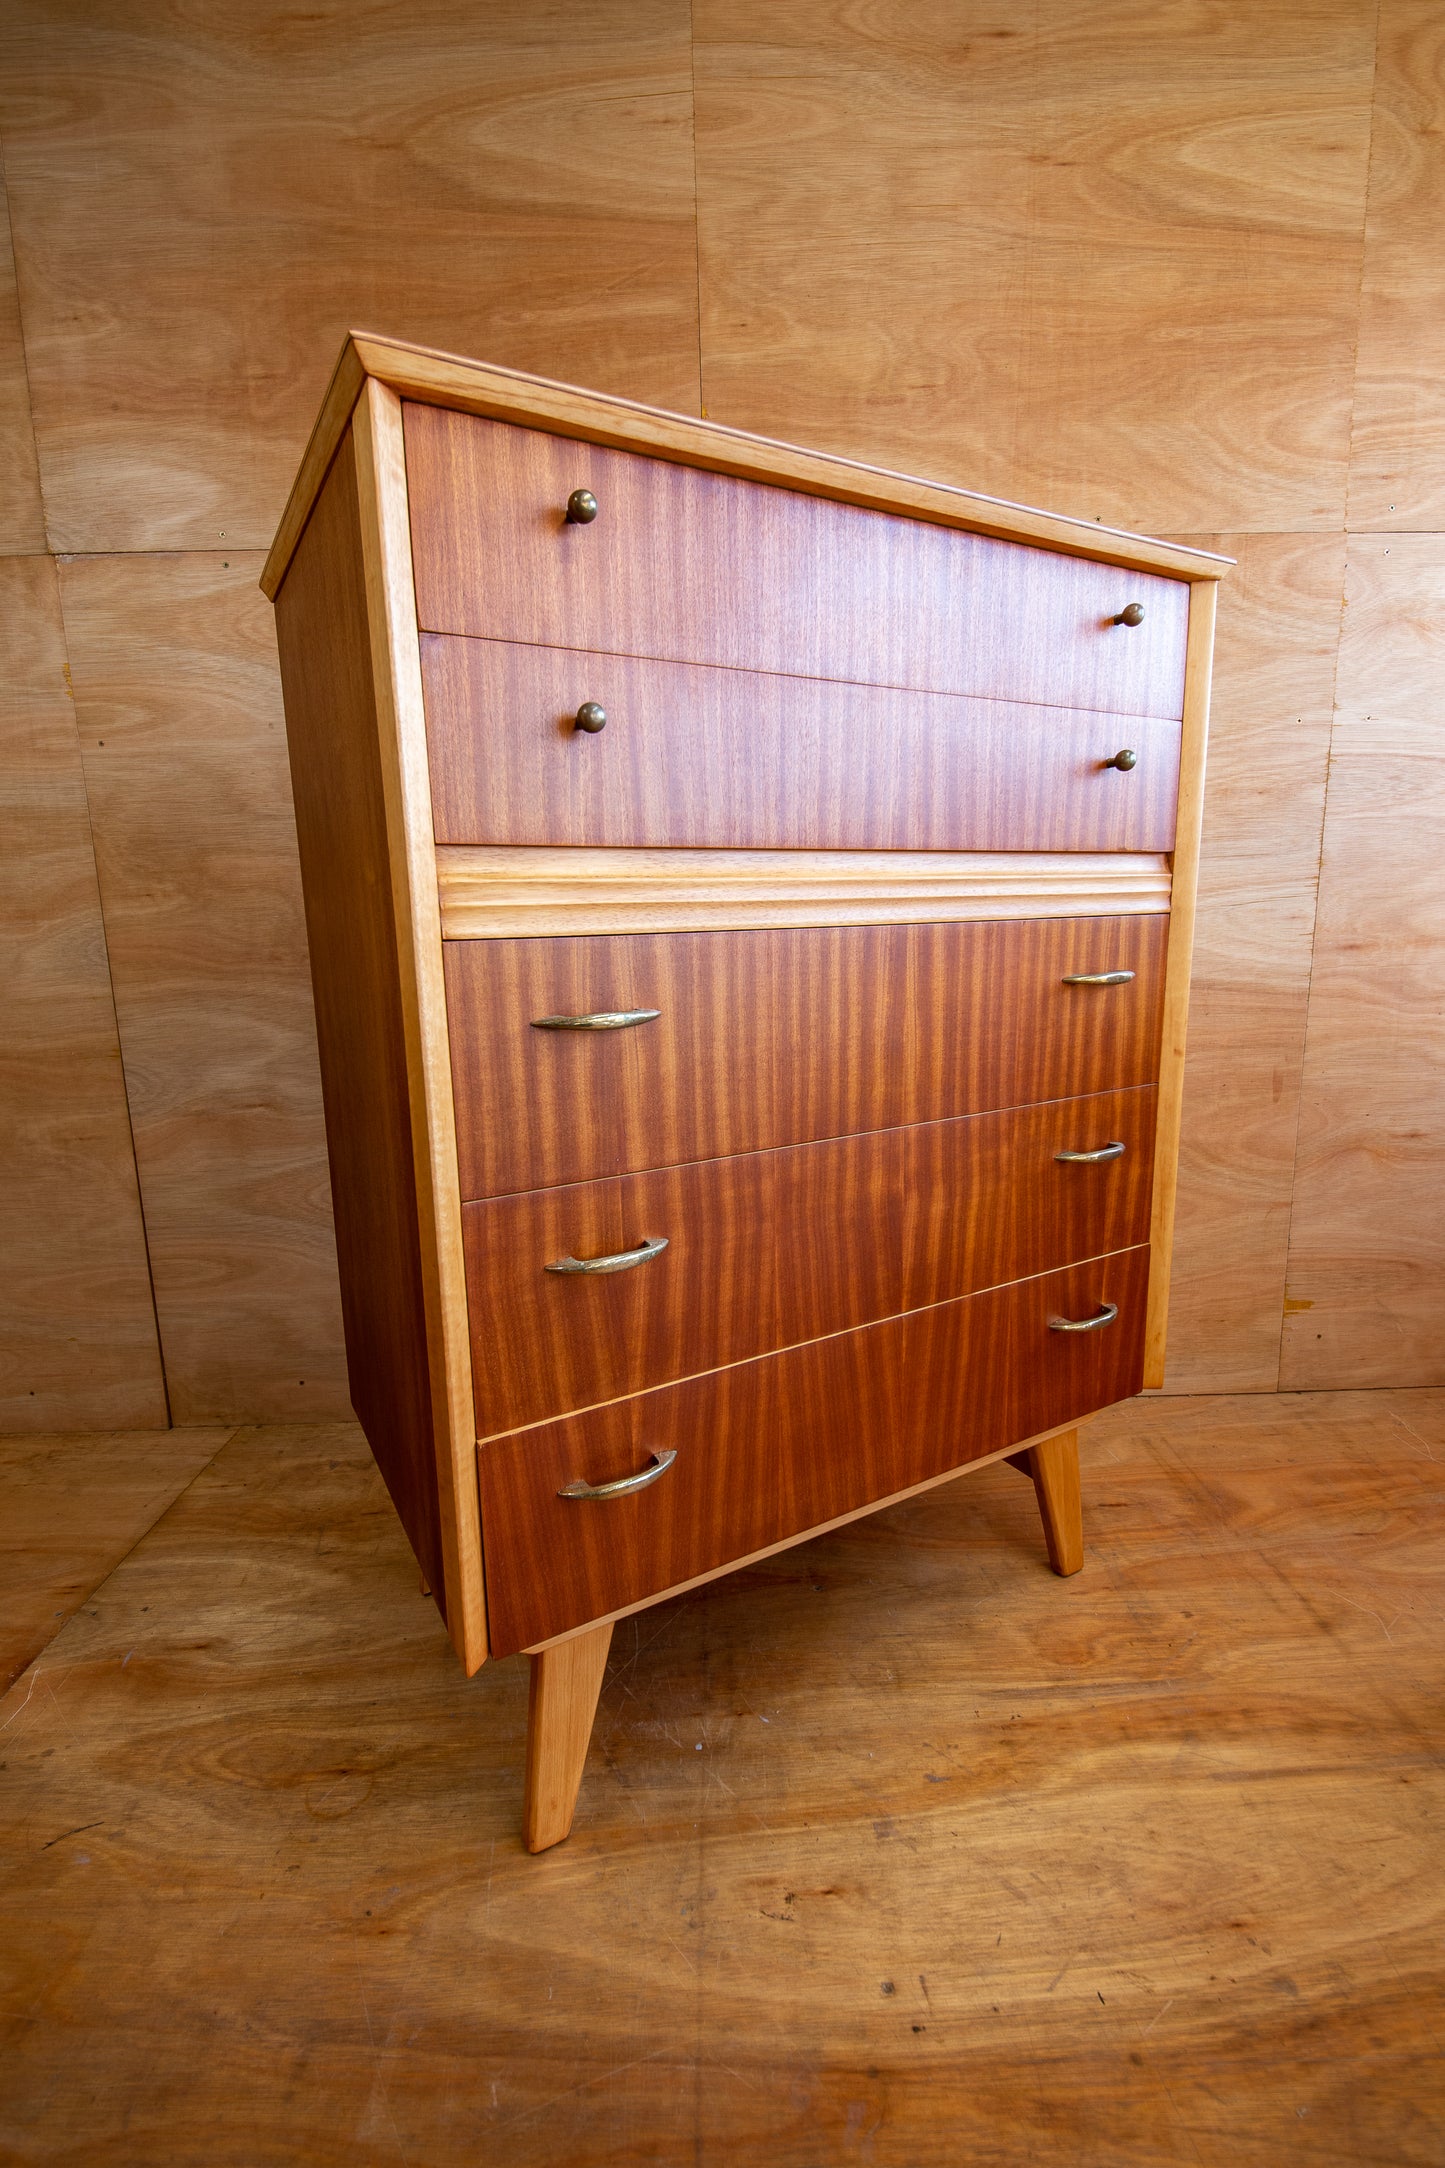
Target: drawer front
[
  {"x": 770, "y": 1249},
  {"x": 771, "y": 1448},
  {"x": 691, "y": 757},
  {"x": 690, "y": 566},
  {"x": 781, "y": 1036}
]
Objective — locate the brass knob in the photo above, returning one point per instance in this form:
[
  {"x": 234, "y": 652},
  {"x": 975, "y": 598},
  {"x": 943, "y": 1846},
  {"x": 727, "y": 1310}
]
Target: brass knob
[
  {"x": 1131, "y": 614},
  {"x": 1125, "y": 759},
  {"x": 592, "y": 717},
  {"x": 582, "y": 510}
]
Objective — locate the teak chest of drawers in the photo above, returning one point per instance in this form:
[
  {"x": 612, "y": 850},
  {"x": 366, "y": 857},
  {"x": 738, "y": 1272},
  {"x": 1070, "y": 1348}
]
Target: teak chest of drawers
[{"x": 750, "y": 900}]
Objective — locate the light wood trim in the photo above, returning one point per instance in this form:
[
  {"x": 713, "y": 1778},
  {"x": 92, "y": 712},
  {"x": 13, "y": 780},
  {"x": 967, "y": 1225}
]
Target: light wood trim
[
  {"x": 396, "y": 667},
  {"x": 1053, "y": 1469},
  {"x": 1198, "y": 667},
  {"x": 437, "y": 379},
  {"x": 506, "y": 892},
  {"x": 806, "y": 1535},
  {"x": 561, "y": 1704},
  {"x": 327, "y": 431}
]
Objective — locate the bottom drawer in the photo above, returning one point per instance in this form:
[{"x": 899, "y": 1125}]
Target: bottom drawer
[{"x": 771, "y": 1448}]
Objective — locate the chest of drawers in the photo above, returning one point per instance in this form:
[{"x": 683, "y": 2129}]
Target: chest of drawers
[{"x": 750, "y": 900}]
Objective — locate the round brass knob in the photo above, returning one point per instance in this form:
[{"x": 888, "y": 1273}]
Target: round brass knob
[
  {"x": 592, "y": 717},
  {"x": 1125, "y": 760},
  {"x": 582, "y": 509},
  {"x": 1131, "y": 614}
]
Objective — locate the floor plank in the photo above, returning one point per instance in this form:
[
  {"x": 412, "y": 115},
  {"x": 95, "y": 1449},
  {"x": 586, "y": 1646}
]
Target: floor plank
[
  {"x": 894, "y": 1848},
  {"x": 73, "y": 1505}
]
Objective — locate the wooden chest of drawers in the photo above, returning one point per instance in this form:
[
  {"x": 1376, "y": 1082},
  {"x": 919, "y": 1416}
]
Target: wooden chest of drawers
[{"x": 750, "y": 900}]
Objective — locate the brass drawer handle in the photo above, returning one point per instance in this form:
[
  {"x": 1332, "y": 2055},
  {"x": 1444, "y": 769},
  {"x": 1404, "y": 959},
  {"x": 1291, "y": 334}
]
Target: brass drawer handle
[
  {"x": 661, "y": 1462},
  {"x": 1086, "y": 1324},
  {"x": 621, "y": 1261},
  {"x": 1125, "y": 759},
  {"x": 581, "y": 508},
  {"x": 1090, "y": 1159},
  {"x": 1131, "y": 614},
  {"x": 603, "y": 1020},
  {"x": 1098, "y": 978}
]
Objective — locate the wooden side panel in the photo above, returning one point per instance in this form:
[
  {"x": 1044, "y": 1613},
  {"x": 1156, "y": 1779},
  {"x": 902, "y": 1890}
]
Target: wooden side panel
[
  {"x": 781, "y": 1036},
  {"x": 692, "y": 756},
  {"x": 695, "y": 567},
  {"x": 768, "y": 1249},
  {"x": 322, "y": 626},
  {"x": 22, "y": 517},
  {"x": 773, "y": 1448}
]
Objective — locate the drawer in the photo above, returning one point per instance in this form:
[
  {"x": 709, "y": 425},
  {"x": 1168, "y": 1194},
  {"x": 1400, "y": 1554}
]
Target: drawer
[
  {"x": 774, "y": 1447},
  {"x": 770, "y": 1249},
  {"x": 690, "y": 566},
  {"x": 781, "y": 1036},
  {"x": 690, "y": 756}
]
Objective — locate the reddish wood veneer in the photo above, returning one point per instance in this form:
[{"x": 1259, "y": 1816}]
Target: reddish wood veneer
[
  {"x": 768, "y": 1249},
  {"x": 692, "y": 757},
  {"x": 771, "y": 1448}
]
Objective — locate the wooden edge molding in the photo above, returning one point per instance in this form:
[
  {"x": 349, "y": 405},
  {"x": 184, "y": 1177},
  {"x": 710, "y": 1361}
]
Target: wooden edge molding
[
  {"x": 510, "y": 395},
  {"x": 806, "y": 1535},
  {"x": 1198, "y": 666},
  {"x": 396, "y": 667},
  {"x": 516, "y": 891}
]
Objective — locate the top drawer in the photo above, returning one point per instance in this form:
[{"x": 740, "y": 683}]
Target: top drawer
[{"x": 689, "y": 566}]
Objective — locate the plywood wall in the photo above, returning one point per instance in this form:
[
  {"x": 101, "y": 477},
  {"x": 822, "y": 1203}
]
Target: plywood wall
[{"x": 1173, "y": 268}]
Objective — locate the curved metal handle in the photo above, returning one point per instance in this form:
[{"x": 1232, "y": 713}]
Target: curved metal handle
[
  {"x": 1086, "y": 1324},
  {"x": 1098, "y": 978},
  {"x": 1125, "y": 759},
  {"x": 661, "y": 1462},
  {"x": 581, "y": 508},
  {"x": 620, "y": 1261},
  {"x": 603, "y": 1020},
  {"x": 1131, "y": 614},
  {"x": 1090, "y": 1159}
]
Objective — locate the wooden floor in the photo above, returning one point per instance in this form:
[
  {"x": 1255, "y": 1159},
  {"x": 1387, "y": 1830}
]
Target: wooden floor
[{"x": 893, "y": 1849}]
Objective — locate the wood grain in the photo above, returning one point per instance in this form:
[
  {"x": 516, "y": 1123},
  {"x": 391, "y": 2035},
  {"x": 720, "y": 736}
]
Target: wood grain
[
  {"x": 1053, "y": 1469},
  {"x": 769, "y": 1249},
  {"x": 1174, "y": 1026},
  {"x": 196, "y": 847},
  {"x": 1279, "y": 619},
  {"x": 692, "y": 756},
  {"x": 340, "y": 797},
  {"x": 771, "y": 1448},
  {"x": 521, "y": 891},
  {"x": 476, "y": 182},
  {"x": 73, "y": 1505},
  {"x": 22, "y": 516},
  {"x": 1201, "y": 1778},
  {"x": 687, "y": 566},
  {"x": 1397, "y": 428},
  {"x": 1097, "y": 258},
  {"x": 561, "y": 1704},
  {"x": 78, "y": 1343},
  {"x": 411, "y": 850},
  {"x": 1367, "y": 1249},
  {"x": 566, "y": 410},
  {"x": 781, "y": 1037}
]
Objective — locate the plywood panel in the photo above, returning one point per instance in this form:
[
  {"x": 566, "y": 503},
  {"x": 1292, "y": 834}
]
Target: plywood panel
[
  {"x": 1367, "y": 1244},
  {"x": 893, "y": 1849},
  {"x": 1397, "y": 436},
  {"x": 77, "y": 1331},
  {"x": 72, "y": 1507},
  {"x": 179, "y": 709},
  {"x": 206, "y": 200},
  {"x": 1279, "y": 617},
  {"x": 22, "y": 521},
  {"x": 1100, "y": 257}
]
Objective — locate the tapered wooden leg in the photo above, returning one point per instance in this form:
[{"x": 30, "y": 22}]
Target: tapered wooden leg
[
  {"x": 1054, "y": 1468},
  {"x": 566, "y": 1681}
]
